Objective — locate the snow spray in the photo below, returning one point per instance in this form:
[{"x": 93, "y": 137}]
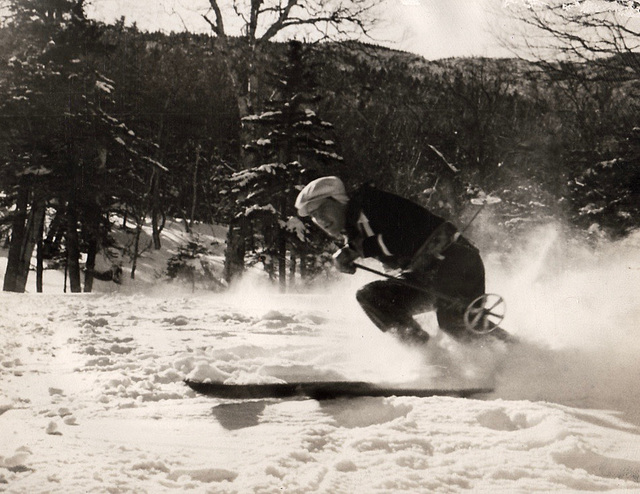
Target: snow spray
[{"x": 575, "y": 308}]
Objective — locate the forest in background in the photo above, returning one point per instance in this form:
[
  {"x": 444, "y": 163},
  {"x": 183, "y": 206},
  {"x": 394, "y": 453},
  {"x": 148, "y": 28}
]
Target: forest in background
[{"x": 105, "y": 127}]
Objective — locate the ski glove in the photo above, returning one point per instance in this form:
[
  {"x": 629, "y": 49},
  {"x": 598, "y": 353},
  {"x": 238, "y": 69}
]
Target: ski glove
[{"x": 344, "y": 258}]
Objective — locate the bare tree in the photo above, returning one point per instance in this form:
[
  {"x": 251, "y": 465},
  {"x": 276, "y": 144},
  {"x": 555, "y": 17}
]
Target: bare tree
[
  {"x": 588, "y": 49},
  {"x": 606, "y": 34},
  {"x": 264, "y": 19}
]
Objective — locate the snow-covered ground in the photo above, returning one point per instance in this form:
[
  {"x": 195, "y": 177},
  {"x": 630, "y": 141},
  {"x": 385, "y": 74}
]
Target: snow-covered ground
[{"x": 92, "y": 396}]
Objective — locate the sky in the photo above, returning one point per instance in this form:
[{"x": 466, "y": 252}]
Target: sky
[
  {"x": 431, "y": 28},
  {"x": 447, "y": 28}
]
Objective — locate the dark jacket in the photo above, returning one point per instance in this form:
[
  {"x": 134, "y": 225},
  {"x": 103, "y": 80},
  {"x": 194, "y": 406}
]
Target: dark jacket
[{"x": 391, "y": 228}]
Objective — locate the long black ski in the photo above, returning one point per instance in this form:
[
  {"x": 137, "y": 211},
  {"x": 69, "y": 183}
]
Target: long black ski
[{"x": 321, "y": 390}]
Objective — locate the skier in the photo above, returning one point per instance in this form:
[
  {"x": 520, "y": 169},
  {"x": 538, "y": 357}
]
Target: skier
[{"x": 400, "y": 234}]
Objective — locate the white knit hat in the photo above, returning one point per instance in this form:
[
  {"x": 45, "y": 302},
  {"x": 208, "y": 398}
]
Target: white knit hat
[{"x": 315, "y": 192}]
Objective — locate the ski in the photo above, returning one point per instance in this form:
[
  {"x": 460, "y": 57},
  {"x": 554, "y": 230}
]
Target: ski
[{"x": 322, "y": 390}]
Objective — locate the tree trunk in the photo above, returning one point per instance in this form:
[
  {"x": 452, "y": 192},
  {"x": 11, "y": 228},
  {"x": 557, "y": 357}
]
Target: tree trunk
[
  {"x": 66, "y": 276},
  {"x": 187, "y": 225},
  {"x": 156, "y": 208},
  {"x": 40, "y": 259},
  {"x": 156, "y": 212},
  {"x": 17, "y": 240},
  {"x": 194, "y": 184},
  {"x": 34, "y": 227},
  {"x": 136, "y": 248},
  {"x": 292, "y": 269},
  {"x": 90, "y": 265},
  {"x": 92, "y": 234},
  {"x": 23, "y": 241},
  {"x": 235, "y": 251},
  {"x": 282, "y": 260},
  {"x": 73, "y": 249},
  {"x": 303, "y": 268}
]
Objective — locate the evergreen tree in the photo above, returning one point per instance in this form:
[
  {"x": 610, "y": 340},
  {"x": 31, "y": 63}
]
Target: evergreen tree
[
  {"x": 294, "y": 149},
  {"x": 62, "y": 145}
]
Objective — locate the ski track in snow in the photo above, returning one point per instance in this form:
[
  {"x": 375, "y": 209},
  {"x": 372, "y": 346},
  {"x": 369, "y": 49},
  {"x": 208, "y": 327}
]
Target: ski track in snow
[{"x": 93, "y": 400}]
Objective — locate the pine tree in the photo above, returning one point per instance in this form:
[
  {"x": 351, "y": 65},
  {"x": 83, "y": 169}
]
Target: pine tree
[
  {"x": 62, "y": 146},
  {"x": 294, "y": 149}
]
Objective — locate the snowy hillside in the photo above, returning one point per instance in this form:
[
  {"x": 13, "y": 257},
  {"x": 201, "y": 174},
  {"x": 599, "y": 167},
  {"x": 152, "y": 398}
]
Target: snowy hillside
[{"x": 92, "y": 396}]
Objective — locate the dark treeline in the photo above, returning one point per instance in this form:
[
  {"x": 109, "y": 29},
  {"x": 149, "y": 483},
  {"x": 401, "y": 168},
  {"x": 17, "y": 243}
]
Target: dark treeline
[{"x": 107, "y": 127}]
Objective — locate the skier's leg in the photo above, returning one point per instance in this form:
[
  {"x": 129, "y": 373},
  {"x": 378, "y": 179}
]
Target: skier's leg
[
  {"x": 391, "y": 304},
  {"x": 451, "y": 321},
  {"x": 459, "y": 276}
]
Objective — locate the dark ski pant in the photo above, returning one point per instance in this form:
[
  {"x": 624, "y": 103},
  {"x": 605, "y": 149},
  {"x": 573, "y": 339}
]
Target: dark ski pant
[{"x": 391, "y": 304}]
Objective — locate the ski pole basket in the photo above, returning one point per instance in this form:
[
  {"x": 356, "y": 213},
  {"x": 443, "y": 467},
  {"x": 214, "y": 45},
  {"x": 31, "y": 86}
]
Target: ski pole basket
[{"x": 485, "y": 313}]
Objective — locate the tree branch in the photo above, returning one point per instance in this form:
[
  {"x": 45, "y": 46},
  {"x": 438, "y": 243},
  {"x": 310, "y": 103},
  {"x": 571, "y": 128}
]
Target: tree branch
[
  {"x": 218, "y": 25},
  {"x": 353, "y": 14}
]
